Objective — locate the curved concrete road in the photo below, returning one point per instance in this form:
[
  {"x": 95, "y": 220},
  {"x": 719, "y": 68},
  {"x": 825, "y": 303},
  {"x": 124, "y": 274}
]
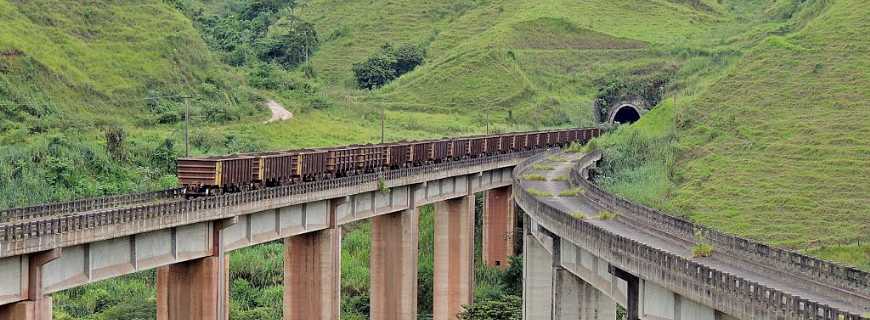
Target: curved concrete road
[{"x": 748, "y": 270}]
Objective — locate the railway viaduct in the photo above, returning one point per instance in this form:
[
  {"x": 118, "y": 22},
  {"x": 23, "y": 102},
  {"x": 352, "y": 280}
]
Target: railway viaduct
[{"x": 574, "y": 268}]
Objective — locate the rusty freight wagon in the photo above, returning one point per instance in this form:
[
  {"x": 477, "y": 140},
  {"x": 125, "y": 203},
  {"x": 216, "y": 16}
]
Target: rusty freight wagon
[
  {"x": 491, "y": 144},
  {"x": 460, "y": 148},
  {"x": 211, "y": 175},
  {"x": 368, "y": 158},
  {"x": 278, "y": 168},
  {"x": 397, "y": 155}
]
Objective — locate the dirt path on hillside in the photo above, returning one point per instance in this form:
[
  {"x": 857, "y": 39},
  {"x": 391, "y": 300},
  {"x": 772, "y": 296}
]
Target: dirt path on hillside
[{"x": 279, "y": 113}]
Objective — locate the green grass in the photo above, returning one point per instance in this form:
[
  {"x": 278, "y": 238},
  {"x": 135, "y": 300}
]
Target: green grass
[
  {"x": 607, "y": 215},
  {"x": 534, "y": 177},
  {"x": 702, "y": 250},
  {"x": 573, "y": 192},
  {"x": 542, "y": 166},
  {"x": 538, "y": 192},
  {"x": 578, "y": 215},
  {"x": 770, "y": 145}
]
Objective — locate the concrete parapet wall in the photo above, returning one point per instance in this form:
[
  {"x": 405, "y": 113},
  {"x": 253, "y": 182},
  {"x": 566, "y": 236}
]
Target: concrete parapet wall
[{"x": 849, "y": 278}]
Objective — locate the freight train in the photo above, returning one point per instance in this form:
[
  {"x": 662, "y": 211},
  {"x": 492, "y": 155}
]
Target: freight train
[{"x": 203, "y": 176}]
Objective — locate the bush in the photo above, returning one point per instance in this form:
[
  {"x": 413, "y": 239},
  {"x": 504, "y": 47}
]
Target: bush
[
  {"x": 289, "y": 42},
  {"x": 375, "y": 72},
  {"x": 387, "y": 65},
  {"x": 508, "y": 307}
]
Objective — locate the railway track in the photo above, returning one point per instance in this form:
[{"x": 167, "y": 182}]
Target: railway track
[{"x": 89, "y": 205}]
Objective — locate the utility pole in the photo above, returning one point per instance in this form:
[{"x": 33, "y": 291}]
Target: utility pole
[
  {"x": 383, "y": 117},
  {"x": 487, "y": 122},
  {"x": 187, "y": 127}
]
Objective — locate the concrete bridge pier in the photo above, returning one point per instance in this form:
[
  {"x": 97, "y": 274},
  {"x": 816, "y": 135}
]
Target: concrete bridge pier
[
  {"x": 312, "y": 275},
  {"x": 393, "y": 264},
  {"x": 537, "y": 278},
  {"x": 197, "y": 289},
  {"x": 498, "y": 227},
  {"x": 454, "y": 257},
  {"x": 38, "y": 305}
]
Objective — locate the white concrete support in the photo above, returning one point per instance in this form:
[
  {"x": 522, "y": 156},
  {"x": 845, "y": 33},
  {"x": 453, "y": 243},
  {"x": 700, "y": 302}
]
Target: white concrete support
[{"x": 537, "y": 278}]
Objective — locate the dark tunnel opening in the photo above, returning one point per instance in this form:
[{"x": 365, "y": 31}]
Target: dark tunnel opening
[{"x": 626, "y": 115}]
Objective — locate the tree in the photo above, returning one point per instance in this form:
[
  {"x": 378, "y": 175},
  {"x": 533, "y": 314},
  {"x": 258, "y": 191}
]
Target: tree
[
  {"x": 289, "y": 42},
  {"x": 407, "y": 57},
  {"x": 388, "y": 64},
  {"x": 375, "y": 72}
]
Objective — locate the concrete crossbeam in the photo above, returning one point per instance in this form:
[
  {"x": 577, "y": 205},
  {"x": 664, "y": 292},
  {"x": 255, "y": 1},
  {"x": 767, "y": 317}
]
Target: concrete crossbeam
[
  {"x": 38, "y": 304},
  {"x": 498, "y": 227},
  {"x": 394, "y": 266},
  {"x": 312, "y": 275},
  {"x": 454, "y": 257}
]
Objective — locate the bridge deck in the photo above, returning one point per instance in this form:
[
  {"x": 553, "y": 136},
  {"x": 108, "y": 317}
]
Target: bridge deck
[{"x": 749, "y": 270}]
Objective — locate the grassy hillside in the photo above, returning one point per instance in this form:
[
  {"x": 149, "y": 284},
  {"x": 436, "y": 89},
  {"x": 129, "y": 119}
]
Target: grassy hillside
[
  {"x": 761, "y": 130},
  {"x": 775, "y": 147}
]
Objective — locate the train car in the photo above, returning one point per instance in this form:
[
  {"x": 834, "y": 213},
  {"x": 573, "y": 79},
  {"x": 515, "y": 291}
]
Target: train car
[
  {"x": 476, "y": 147},
  {"x": 341, "y": 160},
  {"x": 214, "y": 175},
  {"x": 315, "y": 164},
  {"x": 491, "y": 144},
  {"x": 440, "y": 150},
  {"x": 421, "y": 152},
  {"x": 460, "y": 148},
  {"x": 368, "y": 158},
  {"x": 278, "y": 168},
  {"x": 506, "y": 143},
  {"x": 397, "y": 155}
]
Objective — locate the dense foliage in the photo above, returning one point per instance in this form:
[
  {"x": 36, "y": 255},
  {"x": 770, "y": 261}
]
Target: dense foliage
[
  {"x": 508, "y": 307},
  {"x": 388, "y": 64}
]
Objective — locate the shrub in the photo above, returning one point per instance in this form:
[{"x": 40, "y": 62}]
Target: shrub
[
  {"x": 607, "y": 215},
  {"x": 534, "y": 177},
  {"x": 702, "y": 247},
  {"x": 289, "y": 42},
  {"x": 538, "y": 193},
  {"x": 573, "y": 192},
  {"x": 508, "y": 307},
  {"x": 578, "y": 216},
  {"x": 542, "y": 166},
  {"x": 702, "y": 250},
  {"x": 374, "y": 72},
  {"x": 390, "y": 63}
]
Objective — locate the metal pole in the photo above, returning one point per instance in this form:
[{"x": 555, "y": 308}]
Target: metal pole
[
  {"x": 383, "y": 116},
  {"x": 187, "y": 127}
]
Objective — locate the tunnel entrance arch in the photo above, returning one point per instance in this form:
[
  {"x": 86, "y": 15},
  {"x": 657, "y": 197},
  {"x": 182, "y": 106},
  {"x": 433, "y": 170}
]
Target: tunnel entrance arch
[{"x": 626, "y": 113}]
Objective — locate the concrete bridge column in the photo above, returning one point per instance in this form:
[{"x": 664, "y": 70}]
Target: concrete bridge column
[
  {"x": 38, "y": 305},
  {"x": 197, "y": 289},
  {"x": 569, "y": 290},
  {"x": 312, "y": 275},
  {"x": 454, "y": 257},
  {"x": 394, "y": 266},
  {"x": 537, "y": 278},
  {"x": 498, "y": 227}
]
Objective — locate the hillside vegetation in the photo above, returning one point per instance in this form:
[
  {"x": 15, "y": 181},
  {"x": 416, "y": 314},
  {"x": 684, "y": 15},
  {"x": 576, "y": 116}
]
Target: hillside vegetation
[
  {"x": 759, "y": 127},
  {"x": 775, "y": 148}
]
